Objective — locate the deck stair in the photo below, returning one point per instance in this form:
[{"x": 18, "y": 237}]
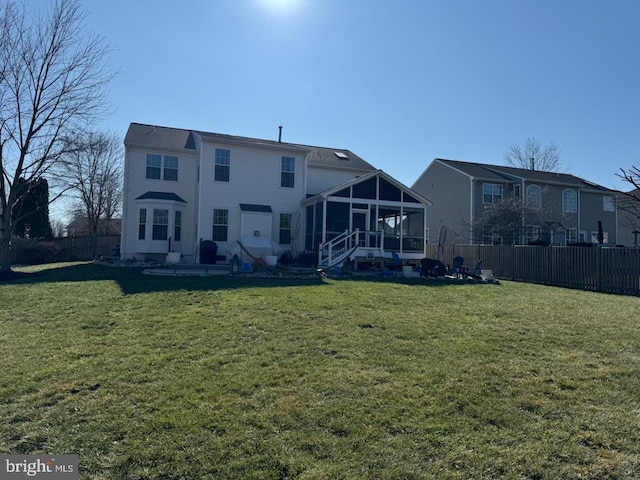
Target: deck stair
[{"x": 349, "y": 245}]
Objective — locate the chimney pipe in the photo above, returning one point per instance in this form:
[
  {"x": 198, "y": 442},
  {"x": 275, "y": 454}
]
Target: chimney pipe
[{"x": 280, "y": 134}]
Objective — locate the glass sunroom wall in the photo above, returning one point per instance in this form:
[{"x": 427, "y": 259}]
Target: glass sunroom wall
[
  {"x": 338, "y": 214},
  {"x": 389, "y": 223},
  {"x": 413, "y": 230}
]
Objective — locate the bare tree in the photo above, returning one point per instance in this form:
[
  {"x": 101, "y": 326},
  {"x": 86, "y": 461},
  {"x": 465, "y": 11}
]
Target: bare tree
[
  {"x": 92, "y": 172},
  {"x": 532, "y": 155},
  {"x": 630, "y": 201},
  {"x": 52, "y": 84}
]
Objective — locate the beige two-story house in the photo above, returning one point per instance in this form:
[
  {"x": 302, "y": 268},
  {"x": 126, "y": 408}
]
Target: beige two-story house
[{"x": 545, "y": 207}]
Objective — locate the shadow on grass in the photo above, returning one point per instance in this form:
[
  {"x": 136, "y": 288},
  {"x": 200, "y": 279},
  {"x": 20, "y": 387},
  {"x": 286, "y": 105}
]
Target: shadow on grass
[{"x": 132, "y": 281}]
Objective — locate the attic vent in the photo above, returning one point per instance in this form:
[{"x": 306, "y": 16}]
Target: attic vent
[{"x": 341, "y": 155}]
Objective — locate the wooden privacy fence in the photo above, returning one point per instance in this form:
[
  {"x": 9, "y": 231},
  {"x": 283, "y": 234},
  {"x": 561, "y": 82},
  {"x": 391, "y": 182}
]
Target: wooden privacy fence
[
  {"x": 608, "y": 270},
  {"x": 26, "y": 251}
]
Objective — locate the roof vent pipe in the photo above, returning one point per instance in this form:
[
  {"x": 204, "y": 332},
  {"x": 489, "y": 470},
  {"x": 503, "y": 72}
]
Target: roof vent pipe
[{"x": 280, "y": 134}]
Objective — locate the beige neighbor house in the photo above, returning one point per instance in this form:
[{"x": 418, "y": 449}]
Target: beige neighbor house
[
  {"x": 182, "y": 187},
  {"x": 555, "y": 208}
]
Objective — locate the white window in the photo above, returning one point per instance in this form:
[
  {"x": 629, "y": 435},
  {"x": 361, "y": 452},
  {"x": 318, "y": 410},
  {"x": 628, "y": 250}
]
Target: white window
[
  {"x": 532, "y": 233},
  {"x": 220, "y": 225},
  {"x": 154, "y": 166},
  {"x": 594, "y": 237},
  {"x": 491, "y": 193},
  {"x": 570, "y": 235},
  {"x": 583, "y": 236},
  {"x": 607, "y": 204},
  {"x": 160, "y": 224},
  {"x": 177, "y": 226},
  {"x": 170, "y": 168},
  {"x": 223, "y": 165},
  {"x": 490, "y": 235},
  {"x": 142, "y": 225},
  {"x": 287, "y": 172},
  {"x": 155, "y": 170},
  {"x": 534, "y": 197},
  {"x": 285, "y": 229},
  {"x": 569, "y": 201}
]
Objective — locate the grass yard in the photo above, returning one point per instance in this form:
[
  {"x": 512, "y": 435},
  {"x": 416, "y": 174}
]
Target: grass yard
[{"x": 238, "y": 378}]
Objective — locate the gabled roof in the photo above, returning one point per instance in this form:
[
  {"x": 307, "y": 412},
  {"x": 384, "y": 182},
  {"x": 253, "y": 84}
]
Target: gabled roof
[
  {"x": 159, "y": 137},
  {"x": 509, "y": 174},
  {"x": 153, "y": 136},
  {"x": 330, "y": 191}
]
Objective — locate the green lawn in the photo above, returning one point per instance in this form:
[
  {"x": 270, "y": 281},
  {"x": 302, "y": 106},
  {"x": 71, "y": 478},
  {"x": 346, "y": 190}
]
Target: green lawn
[{"x": 245, "y": 378}]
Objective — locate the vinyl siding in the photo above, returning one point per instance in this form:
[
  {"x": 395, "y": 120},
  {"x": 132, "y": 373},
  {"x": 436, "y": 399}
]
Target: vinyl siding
[
  {"x": 136, "y": 184},
  {"x": 591, "y": 210},
  {"x": 321, "y": 179},
  {"x": 254, "y": 178},
  {"x": 449, "y": 191}
]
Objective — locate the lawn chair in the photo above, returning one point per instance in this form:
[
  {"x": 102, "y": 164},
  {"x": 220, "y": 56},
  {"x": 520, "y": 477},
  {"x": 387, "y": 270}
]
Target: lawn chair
[
  {"x": 477, "y": 271},
  {"x": 457, "y": 268}
]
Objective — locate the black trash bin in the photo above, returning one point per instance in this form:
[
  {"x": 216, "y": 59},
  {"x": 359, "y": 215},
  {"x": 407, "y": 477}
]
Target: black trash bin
[{"x": 208, "y": 252}]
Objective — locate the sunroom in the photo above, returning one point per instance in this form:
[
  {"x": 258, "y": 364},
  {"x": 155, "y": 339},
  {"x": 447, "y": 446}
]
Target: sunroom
[{"x": 387, "y": 216}]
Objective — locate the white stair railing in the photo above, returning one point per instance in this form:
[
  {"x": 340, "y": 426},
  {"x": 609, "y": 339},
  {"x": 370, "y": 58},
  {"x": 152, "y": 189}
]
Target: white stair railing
[{"x": 329, "y": 252}]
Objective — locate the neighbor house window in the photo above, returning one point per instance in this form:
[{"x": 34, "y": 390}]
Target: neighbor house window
[
  {"x": 571, "y": 235},
  {"x": 532, "y": 233},
  {"x": 220, "y": 225},
  {"x": 569, "y": 201},
  {"x": 595, "y": 239},
  {"x": 534, "y": 197},
  {"x": 490, "y": 235},
  {"x": 607, "y": 204},
  {"x": 285, "y": 228},
  {"x": 154, "y": 166},
  {"x": 287, "y": 173},
  {"x": 491, "y": 193},
  {"x": 177, "y": 226},
  {"x": 160, "y": 224},
  {"x": 142, "y": 224},
  {"x": 582, "y": 236},
  {"x": 222, "y": 165},
  {"x": 170, "y": 168}
]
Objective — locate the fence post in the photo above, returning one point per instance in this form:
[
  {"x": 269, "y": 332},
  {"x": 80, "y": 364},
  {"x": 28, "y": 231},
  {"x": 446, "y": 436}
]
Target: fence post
[{"x": 598, "y": 269}]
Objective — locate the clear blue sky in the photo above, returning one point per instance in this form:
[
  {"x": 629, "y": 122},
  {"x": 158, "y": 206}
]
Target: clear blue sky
[{"x": 399, "y": 82}]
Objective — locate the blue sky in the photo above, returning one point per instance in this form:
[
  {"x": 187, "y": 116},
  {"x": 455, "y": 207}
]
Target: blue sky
[{"x": 399, "y": 82}]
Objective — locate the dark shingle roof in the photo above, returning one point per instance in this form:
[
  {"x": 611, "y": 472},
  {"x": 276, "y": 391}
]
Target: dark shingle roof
[
  {"x": 500, "y": 172},
  {"x": 159, "y": 137},
  {"x": 161, "y": 196},
  {"x": 176, "y": 139}
]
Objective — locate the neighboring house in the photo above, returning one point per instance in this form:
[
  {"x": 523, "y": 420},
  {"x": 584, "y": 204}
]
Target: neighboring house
[
  {"x": 185, "y": 186},
  {"x": 629, "y": 219},
  {"x": 80, "y": 227},
  {"x": 555, "y": 207}
]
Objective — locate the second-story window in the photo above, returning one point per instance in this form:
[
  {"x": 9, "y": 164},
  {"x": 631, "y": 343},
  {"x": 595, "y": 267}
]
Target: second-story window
[
  {"x": 154, "y": 166},
  {"x": 569, "y": 201},
  {"x": 157, "y": 169},
  {"x": 608, "y": 204},
  {"x": 534, "y": 197},
  {"x": 170, "y": 168},
  {"x": 288, "y": 172},
  {"x": 491, "y": 193},
  {"x": 222, "y": 166}
]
